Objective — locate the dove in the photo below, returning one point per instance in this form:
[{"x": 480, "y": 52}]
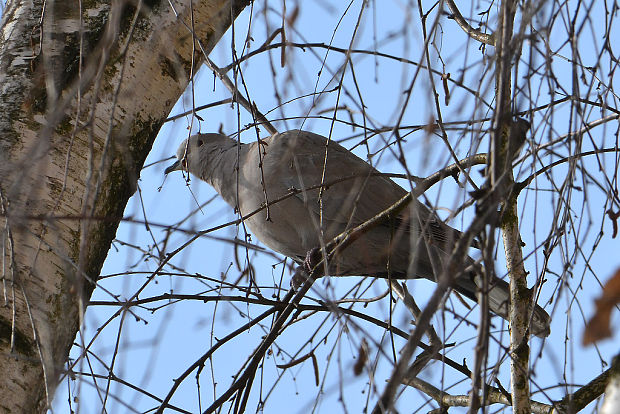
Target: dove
[{"x": 304, "y": 190}]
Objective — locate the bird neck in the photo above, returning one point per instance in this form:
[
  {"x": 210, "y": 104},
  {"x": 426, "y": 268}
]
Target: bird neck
[{"x": 220, "y": 169}]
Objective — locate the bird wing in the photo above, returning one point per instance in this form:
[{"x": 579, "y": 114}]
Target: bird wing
[{"x": 351, "y": 190}]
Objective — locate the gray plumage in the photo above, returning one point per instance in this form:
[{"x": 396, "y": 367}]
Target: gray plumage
[{"x": 353, "y": 192}]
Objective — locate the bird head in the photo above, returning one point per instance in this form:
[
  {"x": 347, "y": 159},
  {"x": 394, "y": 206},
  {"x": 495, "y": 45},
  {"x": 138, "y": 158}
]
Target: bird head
[{"x": 188, "y": 154}]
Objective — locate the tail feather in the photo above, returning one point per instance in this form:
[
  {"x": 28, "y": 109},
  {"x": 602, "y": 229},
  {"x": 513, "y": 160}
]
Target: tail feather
[{"x": 499, "y": 301}]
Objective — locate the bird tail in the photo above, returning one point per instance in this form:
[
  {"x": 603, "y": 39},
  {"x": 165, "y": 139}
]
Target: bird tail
[{"x": 498, "y": 293}]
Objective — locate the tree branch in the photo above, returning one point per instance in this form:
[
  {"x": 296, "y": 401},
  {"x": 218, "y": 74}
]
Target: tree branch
[
  {"x": 488, "y": 39},
  {"x": 493, "y": 396},
  {"x": 501, "y": 176}
]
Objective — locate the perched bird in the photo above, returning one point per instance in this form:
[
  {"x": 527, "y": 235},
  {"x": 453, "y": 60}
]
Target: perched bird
[{"x": 336, "y": 191}]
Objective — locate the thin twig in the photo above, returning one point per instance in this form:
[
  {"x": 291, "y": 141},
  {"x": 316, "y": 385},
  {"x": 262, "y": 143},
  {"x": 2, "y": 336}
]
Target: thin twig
[
  {"x": 238, "y": 97},
  {"x": 486, "y": 38}
]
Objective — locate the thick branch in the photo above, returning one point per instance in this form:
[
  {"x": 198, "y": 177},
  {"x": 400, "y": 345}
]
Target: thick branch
[
  {"x": 493, "y": 396},
  {"x": 501, "y": 175}
]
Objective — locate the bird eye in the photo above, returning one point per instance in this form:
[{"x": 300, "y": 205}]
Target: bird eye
[{"x": 199, "y": 142}]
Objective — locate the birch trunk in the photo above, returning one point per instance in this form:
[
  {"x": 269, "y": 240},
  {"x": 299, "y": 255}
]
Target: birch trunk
[{"x": 83, "y": 94}]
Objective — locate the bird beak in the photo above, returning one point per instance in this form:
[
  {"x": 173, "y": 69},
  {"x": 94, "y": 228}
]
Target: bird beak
[{"x": 174, "y": 167}]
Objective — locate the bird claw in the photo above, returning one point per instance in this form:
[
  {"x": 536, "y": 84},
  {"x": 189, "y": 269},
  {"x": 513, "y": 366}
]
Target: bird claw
[
  {"x": 313, "y": 257},
  {"x": 303, "y": 272}
]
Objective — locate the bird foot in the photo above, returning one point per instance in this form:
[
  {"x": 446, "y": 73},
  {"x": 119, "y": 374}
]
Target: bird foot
[
  {"x": 302, "y": 273},
  {"x": 313, "y": 257}
]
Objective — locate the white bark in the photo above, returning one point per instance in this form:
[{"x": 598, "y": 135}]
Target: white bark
[
  {"x": 75, "y": 128},
  {"x": 611, "y": 404}
]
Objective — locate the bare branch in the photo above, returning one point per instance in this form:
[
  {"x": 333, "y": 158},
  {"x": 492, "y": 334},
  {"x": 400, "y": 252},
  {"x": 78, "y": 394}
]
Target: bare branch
[{"x": 488, "y": 39}]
